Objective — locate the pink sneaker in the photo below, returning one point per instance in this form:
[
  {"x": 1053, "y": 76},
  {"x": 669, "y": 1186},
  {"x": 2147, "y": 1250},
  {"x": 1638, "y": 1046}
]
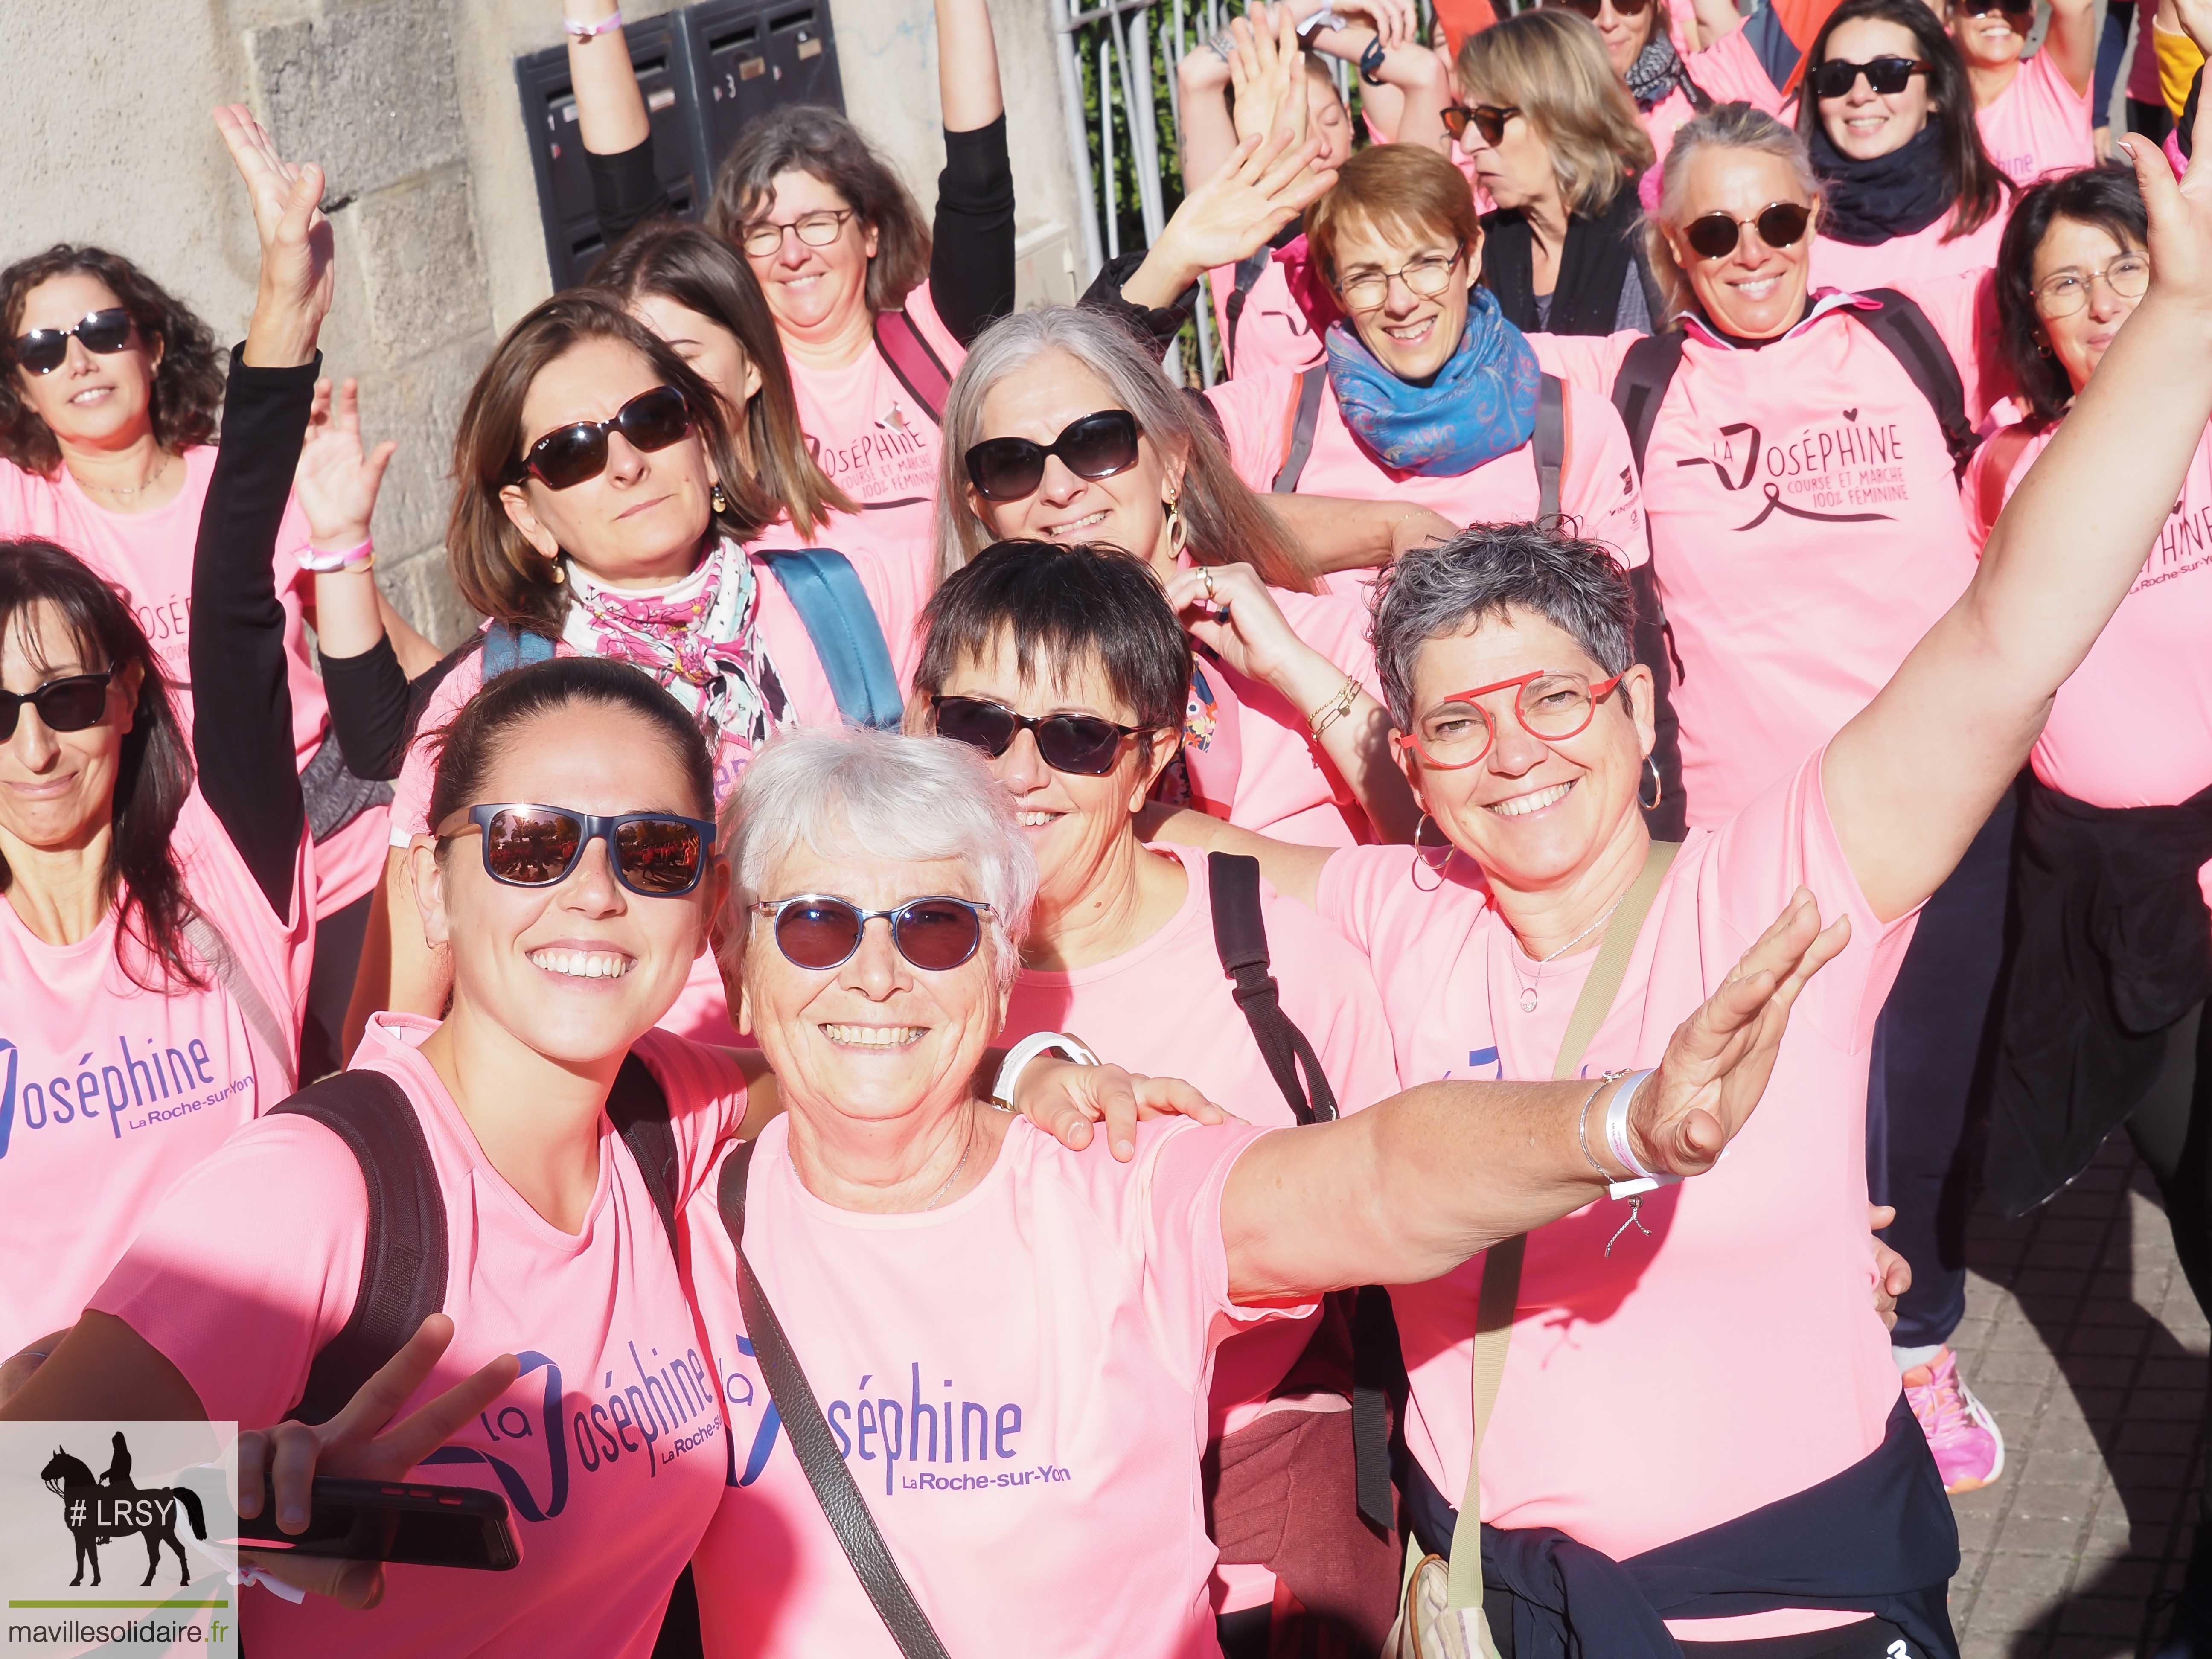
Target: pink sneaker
[{"x": 1961, "y": 1432}]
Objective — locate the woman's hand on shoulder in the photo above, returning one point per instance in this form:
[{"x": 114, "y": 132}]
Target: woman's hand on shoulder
[
  {"x": 298, "y": 277},
  {"x": 1065, "y": 1099}
]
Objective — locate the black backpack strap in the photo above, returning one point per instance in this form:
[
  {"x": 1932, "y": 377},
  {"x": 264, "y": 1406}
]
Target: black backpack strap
[
  {"x": 638, "y": 1107},
  {"x": 1249, "y": 269},
  {"x": 1904, "y": 327},
  {"x": 1240, "y": 935},
  {"x": 402, "y": 1258},
  {"x": 835, "y": 1488},
  {"x": 1641, "y": 384},
  {"x": 1311, "y": 385},
  {"x": 1548, "y": 446}
]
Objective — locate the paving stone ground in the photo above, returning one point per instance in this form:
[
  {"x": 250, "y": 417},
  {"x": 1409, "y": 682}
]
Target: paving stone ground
[{"x": 2081, "y": 1335}]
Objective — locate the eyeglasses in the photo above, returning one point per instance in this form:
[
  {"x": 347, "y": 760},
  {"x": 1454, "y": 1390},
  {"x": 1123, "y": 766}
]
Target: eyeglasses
[
  {"x": 1082, "y": 743},
  {"x": 69, "y": 704},
  {"x": 568, "y": 455},
  {"x": 1779, "y": 224},
  {"x": 1835, "y": 77},
  {"x": 1488, "y": 119},
  {"x": 655, "y": 854},
  {"x": 1426, "y": 277},
  {"x": 2067, "y": 292},
  {"x": 1096, "y": 447},
  {"x": 43, "y": 350},
  {"x": 819, "y": 931},
  {"x": 1590, "y": 9},
  {"x": 1550, "y": 705},
  {"x": 815, "y": 229}
]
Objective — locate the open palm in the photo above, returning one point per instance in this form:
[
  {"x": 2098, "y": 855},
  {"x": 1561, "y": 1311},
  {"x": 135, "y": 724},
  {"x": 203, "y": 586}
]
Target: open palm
[
  {"x": 338, "y": 478},
  {"x": 297, "y": 270}
]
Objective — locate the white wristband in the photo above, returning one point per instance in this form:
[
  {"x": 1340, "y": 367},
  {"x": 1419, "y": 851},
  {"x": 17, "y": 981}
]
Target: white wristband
[
  {"x": 1020, "y": 1056},
  {"x": 1616, "y": 1137},
  {"x": 577, "y": 31},
  {"x": 330, "y": 561}
]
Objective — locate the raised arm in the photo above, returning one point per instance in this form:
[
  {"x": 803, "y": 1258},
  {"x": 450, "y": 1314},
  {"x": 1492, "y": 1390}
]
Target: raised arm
[
  {"x": 611, "y": 119},
  {"x": 1410, "y": 1188},
  {"x": 2071, "y": 40},
  {"x": 971, "y": 261},
  {"x": 1266, "y": 182},
  {"x": 1406, "y": 100},
  {"x": 1912, "y": 777}
]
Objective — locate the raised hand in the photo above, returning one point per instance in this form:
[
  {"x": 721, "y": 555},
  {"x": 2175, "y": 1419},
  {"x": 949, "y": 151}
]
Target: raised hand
[
  {"x": 1266, "y": 182},
  {"x": 298, "y": 277},
  {"x": 336, "y": 481},
  {"x": 2180, "y": 215},
  {"x": 363, "y": 1443},
  {"x": 1266, "y": 73},
  {"x": 1716, "y": 1065}
]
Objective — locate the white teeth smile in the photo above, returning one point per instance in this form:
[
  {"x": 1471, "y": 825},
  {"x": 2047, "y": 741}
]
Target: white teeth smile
[
  {"x": 874, "y": 1037},
  {"x": 1035, "y": 820},
  {"x": 91, "y": 394},
  {"x": 1088, "y": 521},
  {"x": 1521, "y": 806},
  {"x": 1759, "y": 287},
  {"x": 1412, "y": 333},
  {"x": 581, "y": 964}
]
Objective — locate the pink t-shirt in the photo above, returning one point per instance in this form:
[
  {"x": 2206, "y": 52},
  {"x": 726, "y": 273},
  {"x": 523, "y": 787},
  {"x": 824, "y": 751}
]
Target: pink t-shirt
[
  {"x": 609, "y": 1449},
  {"x": 1806, "y": 531},
  {"x": 109, "y": 1092},
  {"x": 1597, "y": 483},
  {"x": 149, "y": 556},
  {"x": 1768, "y": 1252},
  {"x": 702, "y": 1012},
  {"x": 1909, "y": 261},
  {"x": 873, "y": 437},
  {"x": 1271, "y": 330},
  {"x": 1067, "y": 1308},
  {"x": 898, "y": 570},
  {"x": 2038, "y": 124}
]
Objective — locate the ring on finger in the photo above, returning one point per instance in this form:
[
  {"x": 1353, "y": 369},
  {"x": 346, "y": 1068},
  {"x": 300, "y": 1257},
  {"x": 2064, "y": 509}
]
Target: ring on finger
[{"x": 1206, "y": 575}]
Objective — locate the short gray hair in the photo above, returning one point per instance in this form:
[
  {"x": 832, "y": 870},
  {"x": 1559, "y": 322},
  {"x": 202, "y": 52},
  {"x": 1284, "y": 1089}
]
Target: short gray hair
[
  {"x": 880, "y": 795},
  {"x": 1724, "y": 126},
  {"x": 1482, "y": 574}
]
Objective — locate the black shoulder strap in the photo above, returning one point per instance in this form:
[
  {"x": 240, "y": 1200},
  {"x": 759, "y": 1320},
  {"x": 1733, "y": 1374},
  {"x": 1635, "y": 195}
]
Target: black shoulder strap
[
  {"x": 1249, "y": 270},
  {"x": 1549, "y": 446},
  {"x": 1902, "y": 326},
  {"x": 1638, "y": 390},
  {"x": 638, "y": 1107},
  {"x": 1240, "y": 935},
  {"x": 403, "y": 1260},
  {"x": 1311, "y": 385},
  {"x": 835, "y": 1488}
]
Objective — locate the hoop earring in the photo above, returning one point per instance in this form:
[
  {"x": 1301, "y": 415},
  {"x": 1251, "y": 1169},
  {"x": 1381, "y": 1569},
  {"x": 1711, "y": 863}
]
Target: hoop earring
[
  {"x": 717, "y": 500},
  {"x": 1658, "y": 787},
  {"x": 1178, "y": 532},
  {"x": 1421, "y": 853},
  {"x": 560, "y": 574}
]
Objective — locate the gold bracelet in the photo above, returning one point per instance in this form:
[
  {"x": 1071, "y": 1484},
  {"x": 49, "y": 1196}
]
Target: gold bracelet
[{"x": 1335, "y": 708}]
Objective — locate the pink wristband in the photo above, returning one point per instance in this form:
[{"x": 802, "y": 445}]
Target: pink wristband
[{"x": 323, "y": 563}]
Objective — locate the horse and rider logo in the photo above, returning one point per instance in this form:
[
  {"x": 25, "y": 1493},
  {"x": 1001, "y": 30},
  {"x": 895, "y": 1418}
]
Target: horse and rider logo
[{"x": 100, "y": 1511}]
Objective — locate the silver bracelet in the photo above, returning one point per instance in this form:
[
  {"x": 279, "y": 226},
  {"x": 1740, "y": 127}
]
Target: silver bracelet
[{"x": 1582, "y": 1124}]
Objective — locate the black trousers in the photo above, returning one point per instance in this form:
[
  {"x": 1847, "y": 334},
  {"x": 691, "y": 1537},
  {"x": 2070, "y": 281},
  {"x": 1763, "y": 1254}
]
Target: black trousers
[{"x": 1930, "y": 1052}]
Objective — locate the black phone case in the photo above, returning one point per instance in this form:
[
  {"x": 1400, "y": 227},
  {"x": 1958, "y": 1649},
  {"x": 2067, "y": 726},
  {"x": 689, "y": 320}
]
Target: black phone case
[{"x": 369, "y": 1521}]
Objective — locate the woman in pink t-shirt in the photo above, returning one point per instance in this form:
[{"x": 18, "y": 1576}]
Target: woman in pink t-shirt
[
  {"x": 1908, "y": 191},
  {"x": 1061, "y": 428},
  {"x": 107, "y": 406},
  {"x": 1009, "y": 1346},
  {"x": 2033, "y": 112},
  {"x": 1123, "y": 947}
]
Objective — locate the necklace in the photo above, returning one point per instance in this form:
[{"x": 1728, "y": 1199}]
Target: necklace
[
  {"x": 967, "y": 1142},
  {"x": 127, "y": 491},
  {"x": 1529, "y": 989}
]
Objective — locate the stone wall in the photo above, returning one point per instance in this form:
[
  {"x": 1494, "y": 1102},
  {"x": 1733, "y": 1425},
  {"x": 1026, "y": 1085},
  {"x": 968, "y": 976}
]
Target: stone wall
[{"x": 411, "y": 107}]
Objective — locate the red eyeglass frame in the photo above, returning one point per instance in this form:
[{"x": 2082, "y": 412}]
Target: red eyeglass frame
[{"x": 1599, "y": 691}]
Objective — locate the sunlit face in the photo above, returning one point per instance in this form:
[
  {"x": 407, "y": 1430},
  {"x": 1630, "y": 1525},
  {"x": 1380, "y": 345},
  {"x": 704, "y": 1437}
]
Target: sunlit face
[
  {"x": 577, "y": 971},
  {"x": 1076, "y": 824},
  {"x": 1517, "y": 169},
  {"x": 1412, "y": 335},
  {"x": 1626, "y": 34},
  {"x": 2082, "y": 252},
  {"x": 813, "y": 290},
  {"x": 876, "y": 1039},
  {"x": 1863, "y": 124},
  {"x": 1754, "y": 291},
  {"x": 1039, "y": 401},
  {"x": 641, "y": 522},
  {"x": 1327, "y": 117},
  {"x": 1535, "y": 813},
  {"x": 1993, "y": 39},
  {"x": 708, "y": 347},
  {"x": 58, "y": 788},
  {"x": 94, "y": 400}
]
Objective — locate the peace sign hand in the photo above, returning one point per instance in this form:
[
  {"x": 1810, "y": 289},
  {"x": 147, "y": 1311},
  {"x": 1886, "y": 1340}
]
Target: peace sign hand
[
  {"x": 362, "y": 1442},
  {"x": 298, "y": 277}
]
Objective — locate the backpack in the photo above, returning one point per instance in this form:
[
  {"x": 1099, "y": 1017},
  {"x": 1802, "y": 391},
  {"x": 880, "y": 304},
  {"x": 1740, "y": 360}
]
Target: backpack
[
  {"x": 1548, "y": 443},
  {"x": 914, "y": 361},
  {"x": 1649, "y": 368},
  {"x": 825, "y": 590}
]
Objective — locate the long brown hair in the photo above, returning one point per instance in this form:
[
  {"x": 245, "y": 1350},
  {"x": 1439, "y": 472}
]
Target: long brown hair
[
  {"x": 1552, "y": 65},
  {"x": 494, "y": 567},
  {"x": 703, "y": 273}
]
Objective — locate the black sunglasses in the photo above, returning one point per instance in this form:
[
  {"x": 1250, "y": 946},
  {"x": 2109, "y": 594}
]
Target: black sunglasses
[
  {"x": 568, "y": 455},
  {"x": 1488, "y": 119},
  {"x": 819, "y": 931},
  {"x": 1590, "y": 9},
  {"x": 1082, "y": 743},
  {"x": 1835, "y": 77},
  {"x": 1779, "y": 224},
  {"x": 1096, "y": 447},
  {"x": 655, "y": 854},
  {"x": 1983, "y": 7},
  {"x": 43, "y": 350},
  {"x": 71, "y": 704}
]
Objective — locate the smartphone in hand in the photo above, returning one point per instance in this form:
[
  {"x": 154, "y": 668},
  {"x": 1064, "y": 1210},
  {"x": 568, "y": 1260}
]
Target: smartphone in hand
[{"x": 392, "y": 1520}]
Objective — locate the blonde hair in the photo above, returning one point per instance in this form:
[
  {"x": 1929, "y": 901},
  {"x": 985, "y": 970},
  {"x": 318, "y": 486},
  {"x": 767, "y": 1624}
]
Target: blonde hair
[
  {"x": 1550, "y": 64},
  {"x": 1724, "y": 126}
]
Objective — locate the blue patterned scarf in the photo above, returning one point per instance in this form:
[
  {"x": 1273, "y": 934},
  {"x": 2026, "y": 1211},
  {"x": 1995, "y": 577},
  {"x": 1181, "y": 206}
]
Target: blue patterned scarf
[{"x": 1480, "y": 405}]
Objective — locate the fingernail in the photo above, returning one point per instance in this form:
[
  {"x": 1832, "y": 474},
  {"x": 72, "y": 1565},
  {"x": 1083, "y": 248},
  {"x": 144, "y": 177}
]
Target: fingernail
[
  {"x": 292, "y": 1517},
  {"x": 1125, "y": 1148}
]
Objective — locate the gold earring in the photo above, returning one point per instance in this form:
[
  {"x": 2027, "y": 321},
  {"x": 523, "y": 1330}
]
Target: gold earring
[
  {"x": 717, "y": 500},
  {"x": 1658, "y": 787},
  {"x": 1421, "y": 853},
  {"x": 1178, "y": 532},
  {"x": 560, "y": 575}
]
